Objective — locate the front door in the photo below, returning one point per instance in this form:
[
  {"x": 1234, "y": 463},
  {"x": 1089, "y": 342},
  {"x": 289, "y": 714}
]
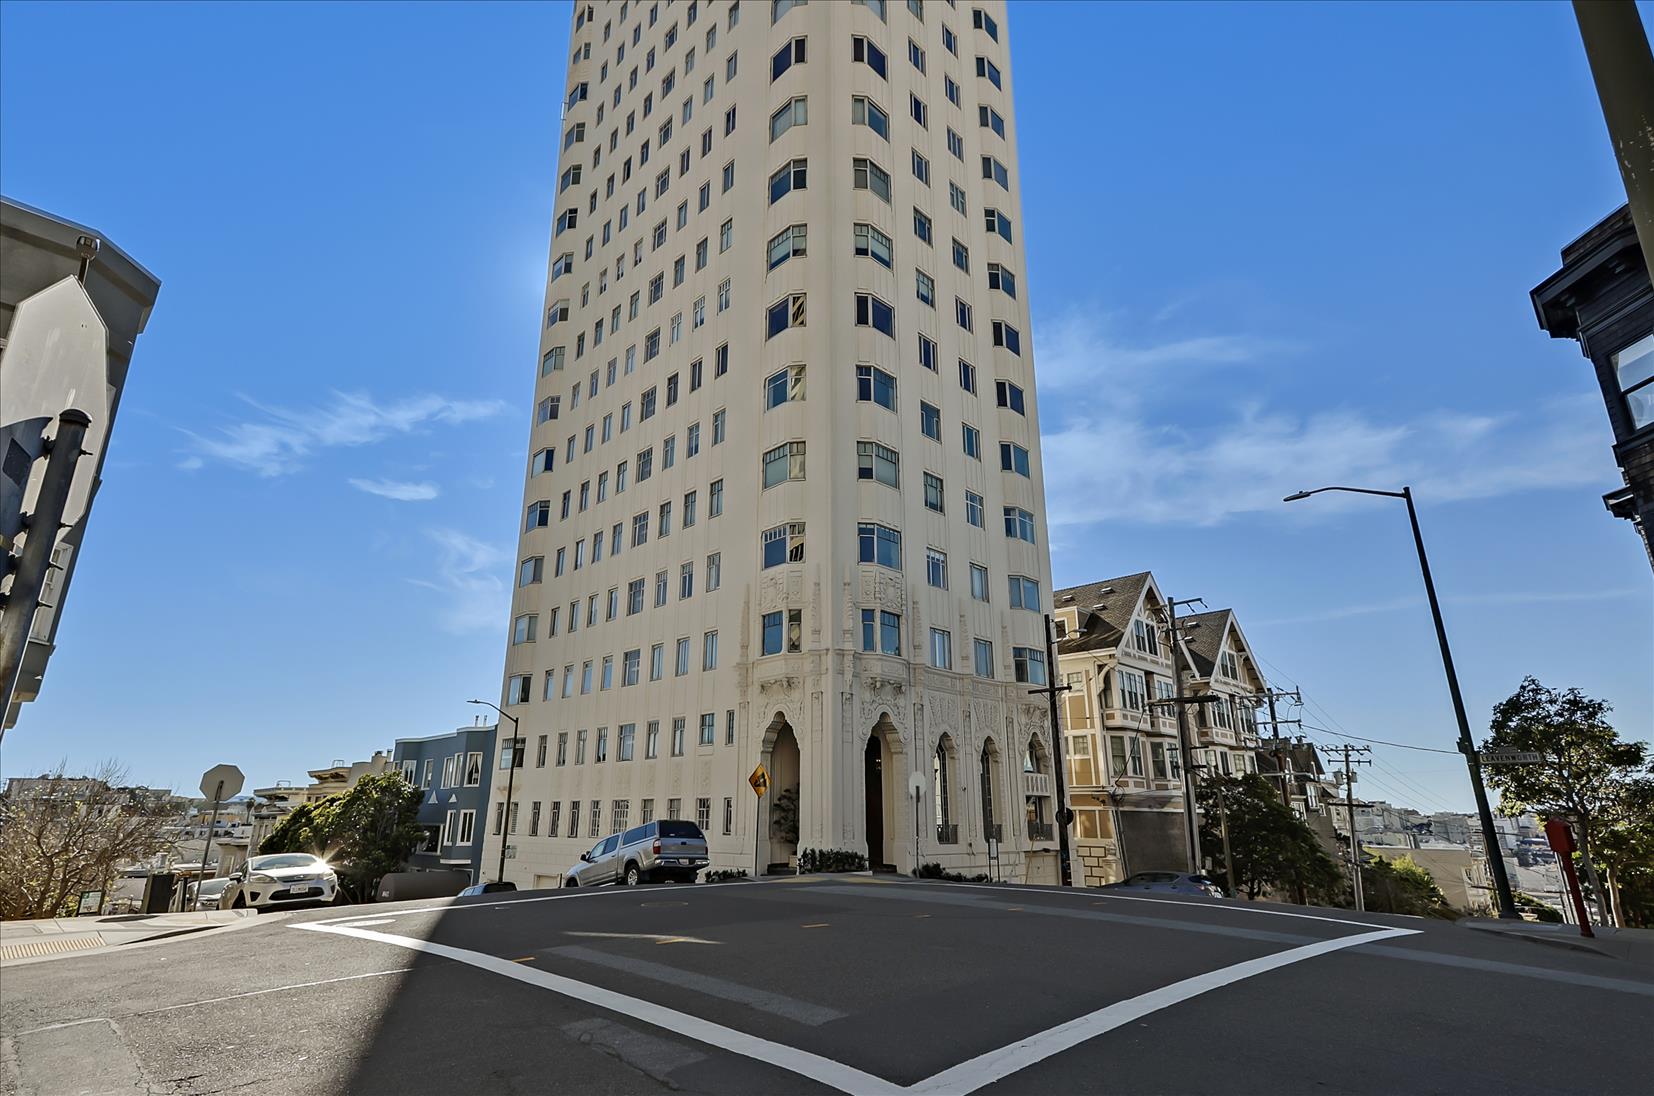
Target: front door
[{"x": 875, "y": 802}]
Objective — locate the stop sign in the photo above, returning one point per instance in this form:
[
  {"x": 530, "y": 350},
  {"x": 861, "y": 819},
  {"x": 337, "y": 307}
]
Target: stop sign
[{"x": 231, "y": 778}]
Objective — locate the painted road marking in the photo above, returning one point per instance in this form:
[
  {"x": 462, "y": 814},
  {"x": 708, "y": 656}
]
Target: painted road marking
[
  {"x": 995, "y": 1065},
  {"x": 958, "y": 1080},
  {"x": 655, "y": 936},
  {"x": 816, "y": 925},
  {"x": 525, "y": 959},
  {"x": 374, "y": 921},
  {"x": 763, "y": 1000},
  {"x": 814, "y": 1066},
  {"x": 276, "y": 989}
]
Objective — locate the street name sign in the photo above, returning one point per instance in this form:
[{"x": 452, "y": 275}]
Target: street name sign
[
  {"x": 760, "y": 781},
  {"x": 1510, "y": 757}
]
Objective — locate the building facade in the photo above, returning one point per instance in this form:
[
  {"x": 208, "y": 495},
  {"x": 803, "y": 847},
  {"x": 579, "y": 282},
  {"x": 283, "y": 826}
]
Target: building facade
[
  {"x": 1602, "y": 298},
  {"x": 784, "y": 502},
  {"x": 454, "y": 774},
  {"x": 72, "y": 305}
]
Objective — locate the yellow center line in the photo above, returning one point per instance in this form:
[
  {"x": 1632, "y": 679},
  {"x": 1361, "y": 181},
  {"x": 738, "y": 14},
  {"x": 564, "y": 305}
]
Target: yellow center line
[{"x": 524, "y": 959}]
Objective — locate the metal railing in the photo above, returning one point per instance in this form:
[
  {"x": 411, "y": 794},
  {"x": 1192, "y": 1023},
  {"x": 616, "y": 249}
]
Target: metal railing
[
  {"x": 947, "y": 833},
  {"x": 1039, "y": 831}
]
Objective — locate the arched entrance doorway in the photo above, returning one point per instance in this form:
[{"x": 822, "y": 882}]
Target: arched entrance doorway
[
  {"x": 781, "y": 807},
  {"x": 885, "y": 796}
]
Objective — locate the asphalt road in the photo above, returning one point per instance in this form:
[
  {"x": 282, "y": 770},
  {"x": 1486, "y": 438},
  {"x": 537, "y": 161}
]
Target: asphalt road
[{"x": 849, "y": 984}]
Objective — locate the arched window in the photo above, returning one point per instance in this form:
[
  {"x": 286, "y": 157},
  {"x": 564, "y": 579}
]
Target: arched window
[{"x": 941, "y": 773}]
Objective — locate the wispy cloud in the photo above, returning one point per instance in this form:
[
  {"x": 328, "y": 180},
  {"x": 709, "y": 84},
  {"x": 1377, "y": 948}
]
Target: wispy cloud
[
  {"x": 468, "y": 572},
  {"x": 278, "y": 441},
  {"x": 1118, "y": 444},
  {"x": 395, "y": 489}
]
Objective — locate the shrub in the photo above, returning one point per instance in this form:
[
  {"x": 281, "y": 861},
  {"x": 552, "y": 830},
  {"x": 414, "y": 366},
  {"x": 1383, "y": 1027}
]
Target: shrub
[
  {"x": 722, "y": 874},
  {"x": 936, "y": 871},
  {"x": 831, "y": 860}
]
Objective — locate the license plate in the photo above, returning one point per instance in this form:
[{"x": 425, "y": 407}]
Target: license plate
[{"x": 301, "y": 890}]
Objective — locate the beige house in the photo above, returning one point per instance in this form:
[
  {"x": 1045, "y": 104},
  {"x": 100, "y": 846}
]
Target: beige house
[
  {"x": 281, "y": 798},
  {"x": 1125, "y": 763},
  {"x": 784, "y": 502}
]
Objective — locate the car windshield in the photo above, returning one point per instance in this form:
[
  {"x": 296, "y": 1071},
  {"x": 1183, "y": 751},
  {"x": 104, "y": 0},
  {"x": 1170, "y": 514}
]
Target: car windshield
[
  {"x": 283, "y": 860},
  {"x": 1153, "y": 877},
  {"x": 213, "y": 886},
  {"x": 674, "y": 828}
]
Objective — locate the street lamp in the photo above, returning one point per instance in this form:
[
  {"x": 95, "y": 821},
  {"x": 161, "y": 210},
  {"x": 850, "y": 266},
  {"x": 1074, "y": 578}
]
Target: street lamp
[
  {"x": 510, "y": 781},
  {"x": 1490, "y": 838}
]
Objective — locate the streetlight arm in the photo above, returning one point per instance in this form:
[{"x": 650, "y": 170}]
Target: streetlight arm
[{"x": 1298, "y": 496}]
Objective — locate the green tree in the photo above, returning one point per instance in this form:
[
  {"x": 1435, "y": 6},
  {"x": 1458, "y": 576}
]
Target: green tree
[
  {"x": 1626, "y": 844},
  {"x": 1586, "y": 773},
  {"x": 1401, "y": 886},
  {"x": 1274, "y": 850},
  {"x": 363, "y": 832}
]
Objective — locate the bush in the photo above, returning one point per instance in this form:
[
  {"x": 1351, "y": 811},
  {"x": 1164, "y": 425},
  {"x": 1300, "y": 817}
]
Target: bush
[
  {"x": 722, "y": 874},
  {"x": 936, "y": 871},
  {"x": 831, "y": 860}
]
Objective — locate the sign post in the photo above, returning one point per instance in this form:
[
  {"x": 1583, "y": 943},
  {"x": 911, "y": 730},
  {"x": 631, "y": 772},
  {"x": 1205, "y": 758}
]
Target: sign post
[
  {"x": 760, "y": 781},
  {"x": 218, "y": 783},
  {"x": 918, "y": 786},
  {"x": 1560, "y": 836}
]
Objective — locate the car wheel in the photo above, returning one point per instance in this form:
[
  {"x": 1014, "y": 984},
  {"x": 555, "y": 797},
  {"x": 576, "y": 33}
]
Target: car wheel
[
  {"x": 570, "y": 884},
  {"x": 240, "y": 902},
  {"x": 633, "y": 876}
]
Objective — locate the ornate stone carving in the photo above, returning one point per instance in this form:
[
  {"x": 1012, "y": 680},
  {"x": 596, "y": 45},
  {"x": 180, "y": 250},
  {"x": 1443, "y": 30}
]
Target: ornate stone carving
[
  {"x": 883, "y": 591},
  {"x": 772, "y": 593}
]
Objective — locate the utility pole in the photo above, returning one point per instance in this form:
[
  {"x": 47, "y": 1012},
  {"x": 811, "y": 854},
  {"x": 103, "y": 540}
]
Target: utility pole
[
  {"x": 1349, "y": 753},
  {"x": 1063, "y": 813},
  {"x": 1271, "y": 695},
  {"x": 1176, "y": 640}
]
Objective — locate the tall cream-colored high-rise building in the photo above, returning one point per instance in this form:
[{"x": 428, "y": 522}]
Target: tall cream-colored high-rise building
[{"x": 784, "y": 500}]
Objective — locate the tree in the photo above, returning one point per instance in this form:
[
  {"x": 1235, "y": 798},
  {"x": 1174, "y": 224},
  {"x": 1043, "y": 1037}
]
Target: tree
[
  {"x": 1401, "y": 886},
  {"x": 1626, "y": 844},
  {"x": 1273, "y": 849},
  {"x": 363, "y": 832},
  {"x": 62, "y": 835},
  {"x": 1585, "y": 776}
]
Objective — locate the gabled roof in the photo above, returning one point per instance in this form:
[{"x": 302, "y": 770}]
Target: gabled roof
[
  {"x": 1205, "y": 642},
  {"x": 1106, "y": 609}
]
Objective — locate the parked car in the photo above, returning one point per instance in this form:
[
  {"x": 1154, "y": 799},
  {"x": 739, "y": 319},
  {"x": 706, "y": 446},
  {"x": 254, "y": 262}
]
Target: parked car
[
  {"x": 1168, "y": 882},
  {"x": 280, "y": 879},
  {"x": 488, "y": 888},
  {"x": 665, "y": 849},
  {"x": 402, "y": 886},
  {"x": 205, "y": 894}
]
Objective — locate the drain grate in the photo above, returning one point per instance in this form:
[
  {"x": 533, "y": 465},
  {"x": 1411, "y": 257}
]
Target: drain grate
[{"x": 49, "y": 947}]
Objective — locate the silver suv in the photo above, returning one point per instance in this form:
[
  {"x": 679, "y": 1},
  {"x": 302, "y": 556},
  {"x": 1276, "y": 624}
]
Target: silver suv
[{"x": 667, "y": 848}]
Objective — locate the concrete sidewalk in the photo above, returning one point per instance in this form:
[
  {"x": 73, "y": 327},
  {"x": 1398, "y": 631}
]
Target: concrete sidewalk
[
  {"x": 54, "y": 936},
  {"x": 1632, "y": 945}
]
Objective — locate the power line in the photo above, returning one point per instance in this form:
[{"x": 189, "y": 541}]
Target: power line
[{"x": 1379, "y": 741}]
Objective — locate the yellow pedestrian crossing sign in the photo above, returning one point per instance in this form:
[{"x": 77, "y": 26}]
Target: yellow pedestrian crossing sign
[{"x": 760, "y": 781}]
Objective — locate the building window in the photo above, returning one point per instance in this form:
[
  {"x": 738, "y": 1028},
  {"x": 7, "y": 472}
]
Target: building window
[
  {"x": 1634, "y": 370},
  {"x": 784, "y": 462},
  {"x": 984, "y": 658},
  {"x": 784, "y": 245},
  {"x": 874, "y": 385},
  {"x": 879, "y": 544},
  {"x": 972, "y": 441},
  {"x": 875, "y": 313},
  {"x": 879, "y": 463},
  {"x": 729, "y": 815},
  {"x": 1001, "y": 278},
  {"x": 979, "y": 582},
  {"x": 936, "y": 568},
  {"x": 941, "y": 649},
  {"x": 1024, "y": 592},
  {"x": 881, "y": 631},
  {"x": 709, "y": 650},
  {"x": 1008, "y": 337},
  {"x": 784, "y": 386},
  {"x": 788, "y": 312},
  {"x": 1019, "y": 524},
  {"x": 794, "y": 112},
  {"x": 703, "y": 814},
  {"x": 867, "y": 175},
  {"x": 1029, "y": 664},
  {"x": 1013, "y": 458},
  {"x": 934, "y": 495},
  {"x": 873, "y": 244},
  {"x": 865, "y": 52},
  {"x": 930, "y": 421},
  {"x": 793, "y": 53},
  {"x": 927, "y": 353},
  {"x": 783, "y": 544},
  {"x": 790, "y": 176},
  {"x": 678, "y": 725}
]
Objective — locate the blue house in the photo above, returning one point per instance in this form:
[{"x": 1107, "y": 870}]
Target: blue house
[{"x": 452, "y": 772}]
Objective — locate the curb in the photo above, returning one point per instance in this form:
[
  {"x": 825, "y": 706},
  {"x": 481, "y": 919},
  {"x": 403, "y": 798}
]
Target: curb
[{"x": 1571, "y": 945}]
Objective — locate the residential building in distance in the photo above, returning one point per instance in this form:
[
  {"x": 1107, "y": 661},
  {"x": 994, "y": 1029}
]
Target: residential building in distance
[
  {"x": 273, "y": 803},
  {"x": 72, "y": 305},
  {"x": 784, "y": 501},
  {"x": 1603, "y": 299},
  {"x": 1125, "y": 763},
  {"x": 452, "y": 772}
]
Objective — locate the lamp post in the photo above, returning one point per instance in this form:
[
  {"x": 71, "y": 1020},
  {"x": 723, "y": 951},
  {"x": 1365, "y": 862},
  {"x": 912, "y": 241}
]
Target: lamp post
[
  {"x": 1490, "y": 838},
  {"x": 510, "y": 782}
]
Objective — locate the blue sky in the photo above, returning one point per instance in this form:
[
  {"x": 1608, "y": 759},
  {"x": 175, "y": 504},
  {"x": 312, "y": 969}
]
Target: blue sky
[{"x": 1270, "y": 247}]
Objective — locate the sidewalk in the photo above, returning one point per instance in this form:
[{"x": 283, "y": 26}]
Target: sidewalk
[
  {"x": 1632, "y": 945},
  {"x": 54, "y": 936}
]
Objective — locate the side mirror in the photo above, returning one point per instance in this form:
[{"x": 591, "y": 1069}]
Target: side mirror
[{"x": 585, "y": 858}]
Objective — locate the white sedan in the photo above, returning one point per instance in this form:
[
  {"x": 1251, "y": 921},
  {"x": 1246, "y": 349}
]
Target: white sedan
[{"x": 280, "y": 879}]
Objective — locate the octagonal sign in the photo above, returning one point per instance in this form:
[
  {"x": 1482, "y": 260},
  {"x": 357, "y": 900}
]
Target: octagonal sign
[{"x": 229, "y": 774}]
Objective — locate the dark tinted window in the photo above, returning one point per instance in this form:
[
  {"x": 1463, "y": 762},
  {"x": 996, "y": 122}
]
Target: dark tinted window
[
  {"x": 636, "y": 833},
  {"x": 609, "y": 845},
  {"x": 1153, "y": 877},
  {"x": 677, "y": 828}
]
